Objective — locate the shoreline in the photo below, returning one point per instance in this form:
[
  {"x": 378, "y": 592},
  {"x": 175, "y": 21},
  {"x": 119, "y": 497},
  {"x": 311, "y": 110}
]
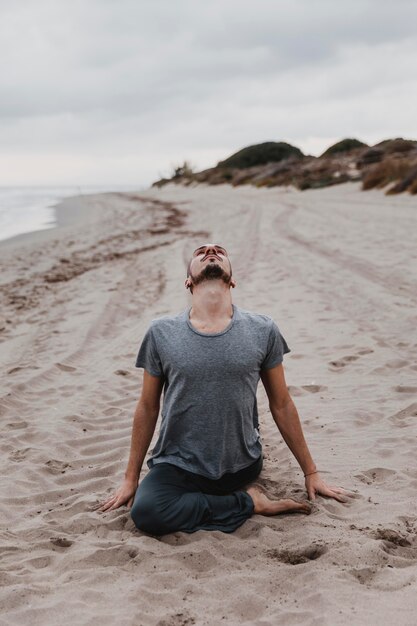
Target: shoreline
[
  {"x": 67, "y": 212},
  {"x": 70, "y": 211}
]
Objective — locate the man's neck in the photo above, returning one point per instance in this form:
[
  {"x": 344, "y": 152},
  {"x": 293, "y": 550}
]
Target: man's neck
[{"x": 211, "y": 302}]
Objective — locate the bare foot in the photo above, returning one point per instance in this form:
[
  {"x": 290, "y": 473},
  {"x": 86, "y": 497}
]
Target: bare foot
[{"x": 265, "y": 506}]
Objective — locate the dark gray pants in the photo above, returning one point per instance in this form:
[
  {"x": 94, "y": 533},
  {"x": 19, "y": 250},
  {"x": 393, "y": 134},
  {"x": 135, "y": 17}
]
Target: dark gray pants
[{"x": 169, "y": 499}]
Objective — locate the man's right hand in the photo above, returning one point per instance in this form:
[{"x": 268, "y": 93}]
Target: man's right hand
[{"x": 125, "y": 494}]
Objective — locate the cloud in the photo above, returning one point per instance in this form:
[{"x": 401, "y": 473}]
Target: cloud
[{"x": 153, "y": 82}]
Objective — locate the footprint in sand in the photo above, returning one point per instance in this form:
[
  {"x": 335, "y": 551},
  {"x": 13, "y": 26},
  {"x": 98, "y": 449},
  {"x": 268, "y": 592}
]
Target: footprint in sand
[
  {"x": 19, "y": 455},
  {"x": 74, "y": 418},
  {"x": 404, "y": 389},
  {"x": 406, "y": 417},
  {"x": 111, "y": 411},
  {"x": 380, "y": 577},
  {"x": 177, "y": 619},
  {"x": 39, "y": 562},
  {"x": 15, "y": 369},
  {"x": 341, "y": 363},
  {"x": 295, "y": 557},
  {"x": 61, "y": 542},
  {"x": 121, "y": 373},
  {"x": 314, "y": 388},
  {"x": 364, "y": 418},
  {"x": 403, "y": 546},
  {"x": 337, "y": 510},
  {"x": 392, "y": 537},
  {"x": 396, "y": 363},
  {"x": 17, "y": 425},
  {"x": 375, "y": 475},
  {"x": 66, "y": 368},
  {"x": 298, "y": 391},
  {"x": 57, "y": 467},
  {"x": 112, "y": 556},
  {"x": 398, "y": 549},
  {"x": 365, "y": 575}
]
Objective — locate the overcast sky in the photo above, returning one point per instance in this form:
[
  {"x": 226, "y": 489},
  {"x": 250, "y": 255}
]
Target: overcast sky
[{"x": 120, "y": 91}]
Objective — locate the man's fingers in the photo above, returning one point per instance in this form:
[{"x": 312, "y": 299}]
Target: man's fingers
[
  {"x": 340, "y": 498},
  {"x": 101, "y": 506},
  {"x": 331, "y": 493},
  {"x": 104, "y": 506},
  {"x": 116, "y": 505},
  {"x": 311, "y": 494},
  {"x": 118, "y": 501},
  {"x": 340, "y": 494}
]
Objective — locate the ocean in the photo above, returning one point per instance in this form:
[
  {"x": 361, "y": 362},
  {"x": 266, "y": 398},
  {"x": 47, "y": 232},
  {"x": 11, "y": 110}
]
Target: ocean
[{"x": 26, "y": 209}]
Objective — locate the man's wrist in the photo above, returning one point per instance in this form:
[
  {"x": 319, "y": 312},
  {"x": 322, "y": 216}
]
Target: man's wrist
[
  {"x": 132, "y": 477},
  {"x": 310, "y": 469},
  {"x": 310, "y": 473}
]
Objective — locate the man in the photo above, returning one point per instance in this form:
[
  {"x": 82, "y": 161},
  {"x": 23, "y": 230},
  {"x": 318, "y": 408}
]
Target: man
[{"x": 209, "y": 359}]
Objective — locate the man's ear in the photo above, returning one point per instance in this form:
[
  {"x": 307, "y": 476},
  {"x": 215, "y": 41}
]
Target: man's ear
[
  {"x": 187, "y": 283},
  {"x": 232, "y": 283}
]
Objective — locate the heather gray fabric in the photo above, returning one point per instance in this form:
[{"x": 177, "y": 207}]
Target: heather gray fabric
[{"x": 209, "y": 415}]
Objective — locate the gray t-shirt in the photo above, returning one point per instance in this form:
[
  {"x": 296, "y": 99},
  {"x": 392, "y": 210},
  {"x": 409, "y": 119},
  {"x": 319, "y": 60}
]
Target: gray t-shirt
[{"x": 209, "y": 415}]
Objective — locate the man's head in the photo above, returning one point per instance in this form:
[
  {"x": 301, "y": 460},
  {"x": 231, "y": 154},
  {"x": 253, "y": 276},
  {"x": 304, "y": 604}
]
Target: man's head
[{"x": 209, "y": 262}]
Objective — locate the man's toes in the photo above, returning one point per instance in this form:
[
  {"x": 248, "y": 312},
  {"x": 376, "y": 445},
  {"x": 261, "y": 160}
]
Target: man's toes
[
  {"x": 305, "y": 508},
  {"x": 300, "y": 507}
]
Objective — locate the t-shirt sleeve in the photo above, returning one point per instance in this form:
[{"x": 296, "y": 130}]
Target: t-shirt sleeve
[
  {"x": 277, "y": 347},
  {"x": 148, "y": 356}
]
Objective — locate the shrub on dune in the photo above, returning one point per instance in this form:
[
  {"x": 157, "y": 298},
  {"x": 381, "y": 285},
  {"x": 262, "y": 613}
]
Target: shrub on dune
[
  {"x": 262, "y": 153},
  {"x": 389, "y": 146},
  {"x": 413, "y": 187},
  {"x": 391, "y": 170},
  {"x": 345, "y": 145},
  {"x": 408, "y": 181}
]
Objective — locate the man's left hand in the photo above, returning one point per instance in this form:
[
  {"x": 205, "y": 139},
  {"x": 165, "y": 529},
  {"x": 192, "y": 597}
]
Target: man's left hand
[{"x": 315, "y": 485}]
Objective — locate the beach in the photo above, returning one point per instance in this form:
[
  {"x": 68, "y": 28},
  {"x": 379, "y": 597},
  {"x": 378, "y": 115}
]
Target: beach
[{"x": 336, "y": 269}]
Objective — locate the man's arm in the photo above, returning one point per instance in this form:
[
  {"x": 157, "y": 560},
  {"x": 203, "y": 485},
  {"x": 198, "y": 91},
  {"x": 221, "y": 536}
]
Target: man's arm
[
  {"x": 286, "y": 417},
  {"x": 144, "y": 423}
]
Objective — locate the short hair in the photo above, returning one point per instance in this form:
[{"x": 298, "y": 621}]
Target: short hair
[{"x": 190, "y": 261}]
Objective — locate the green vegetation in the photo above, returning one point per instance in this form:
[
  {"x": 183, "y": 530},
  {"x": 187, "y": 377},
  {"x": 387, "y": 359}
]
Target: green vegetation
[
  {"x": 397, "y": 145},
  {"x": 390, "y": 164},
  {"x": 345, "y": 145},
  {"x": 260, "y": 154},
  {"x": 182, "y": 170}
]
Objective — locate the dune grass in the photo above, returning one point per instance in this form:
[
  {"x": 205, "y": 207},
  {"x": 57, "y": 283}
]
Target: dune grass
[{"x": 401, "y": 171}]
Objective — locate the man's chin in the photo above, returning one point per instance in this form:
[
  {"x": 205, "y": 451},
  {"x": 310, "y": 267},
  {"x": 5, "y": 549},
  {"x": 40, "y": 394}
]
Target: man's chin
[{"x": 213, "y": 271}]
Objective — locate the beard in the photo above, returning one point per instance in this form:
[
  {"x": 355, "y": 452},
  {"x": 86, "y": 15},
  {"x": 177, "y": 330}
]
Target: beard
[{"x": 211, "y": 271}]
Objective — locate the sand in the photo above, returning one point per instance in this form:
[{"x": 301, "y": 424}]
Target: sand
[{"x": 336, "y": 268}]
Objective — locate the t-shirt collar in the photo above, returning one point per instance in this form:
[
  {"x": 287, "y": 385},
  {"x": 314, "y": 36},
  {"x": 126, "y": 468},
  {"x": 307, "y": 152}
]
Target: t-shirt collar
[{"x": 225, "y": 330}]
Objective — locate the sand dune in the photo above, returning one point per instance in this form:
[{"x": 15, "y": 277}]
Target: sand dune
[{"x": 337, "y": 270}]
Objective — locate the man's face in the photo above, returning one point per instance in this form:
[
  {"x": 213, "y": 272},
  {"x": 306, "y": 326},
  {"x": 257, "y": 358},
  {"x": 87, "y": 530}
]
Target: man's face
[{"x": 208, "y": 262}]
